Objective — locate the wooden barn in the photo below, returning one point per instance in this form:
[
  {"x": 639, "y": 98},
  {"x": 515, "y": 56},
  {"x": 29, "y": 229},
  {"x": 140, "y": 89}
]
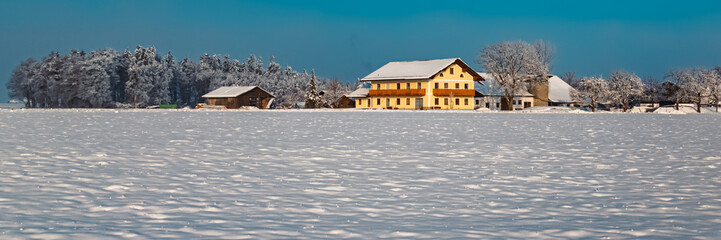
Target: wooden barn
[{"x": 240, "y": 96}]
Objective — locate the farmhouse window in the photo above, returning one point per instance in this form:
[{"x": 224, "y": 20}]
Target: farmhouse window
[
  {"x": 436, "y": 101},
  {"x": 451, "y": 71},
  {"x": 458, "y": 101},
  {"x": 445, "y": 85},
  {"x": 458, "y": 85},
  {"x": 419, "y": 85},
  {"x": 378, "y": 101},
  {"x": 408, "y": 85},
  {"x": 445, "y": 101},
  {"x": 398, "y": 85},
  {"x": 465, "y": 101},
  {"x": 436, "y": 86},
  {"x": 465, "y": 86},
  {"x": 398, "y": 101},
  {"x": 408, "y": 101}
]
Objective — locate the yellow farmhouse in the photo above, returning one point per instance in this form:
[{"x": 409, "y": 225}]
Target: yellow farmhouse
[{"x": 431, "y": 84}]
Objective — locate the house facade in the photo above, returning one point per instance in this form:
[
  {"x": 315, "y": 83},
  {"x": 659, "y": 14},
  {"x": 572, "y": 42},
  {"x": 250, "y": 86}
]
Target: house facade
[
  {"x": 239, "y": 96},
  {"x": 490, "y": 96},
  {"x": 431, "y": 84}
]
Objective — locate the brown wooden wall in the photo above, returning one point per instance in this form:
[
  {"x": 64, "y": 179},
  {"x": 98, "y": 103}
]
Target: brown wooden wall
[{"x": 243, "y": 100}]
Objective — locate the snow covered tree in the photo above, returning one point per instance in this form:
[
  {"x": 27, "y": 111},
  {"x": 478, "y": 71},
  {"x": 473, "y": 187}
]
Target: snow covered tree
[
  {"x": 624, "y": 87},
  {"x": 592, "y": 91},
  {"x": 715, "y": 88},
  {"x": 148, "y": 81},
  {"x": 334, "y": 90},
  {"x": 19, "y": 84},
  {"x": 693, "y": 85},
  {"x": 313, "y": 98},
  {"x": 512, "y": 65},
  {"x": 187, "y": 71}
]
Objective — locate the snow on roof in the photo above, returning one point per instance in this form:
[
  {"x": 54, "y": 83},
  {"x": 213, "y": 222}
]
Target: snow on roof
[
  {"x": 490, "y": 89},
  {"x": 559, "y": 90},
  {"x": 412, "y": 69},
  {"x": 358, "y": 93},
  {"x": 226, "y": 92}
]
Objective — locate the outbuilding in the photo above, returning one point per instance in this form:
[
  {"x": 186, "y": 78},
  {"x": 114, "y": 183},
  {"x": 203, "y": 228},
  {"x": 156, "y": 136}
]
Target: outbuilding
[{"x": 240, "y": 96}]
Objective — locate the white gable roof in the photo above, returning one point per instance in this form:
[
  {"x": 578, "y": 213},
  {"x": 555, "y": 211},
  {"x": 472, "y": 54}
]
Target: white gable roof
[
  {"x": 410, "y": 69},
  {"x": 358, "y": 93},
  {"x": 559, "y": 90},
  {"x": 229, "y": 92}
]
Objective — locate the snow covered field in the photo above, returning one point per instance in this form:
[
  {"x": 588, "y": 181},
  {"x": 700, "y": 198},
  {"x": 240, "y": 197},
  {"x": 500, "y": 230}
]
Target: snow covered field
[{"x": 349, "y": 174}]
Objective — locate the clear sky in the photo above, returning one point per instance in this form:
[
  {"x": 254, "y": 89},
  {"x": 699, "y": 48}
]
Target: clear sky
[{"x": 349, "y": 39}]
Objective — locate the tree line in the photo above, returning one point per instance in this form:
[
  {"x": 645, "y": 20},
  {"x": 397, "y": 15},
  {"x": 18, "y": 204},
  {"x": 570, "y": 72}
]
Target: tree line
[
  {"x": 108, "y": 78},
  {"x": 518, "y": 66}
]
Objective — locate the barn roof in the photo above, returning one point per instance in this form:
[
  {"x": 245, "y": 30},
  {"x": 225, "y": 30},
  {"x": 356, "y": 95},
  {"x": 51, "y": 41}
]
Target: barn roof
[
  {"x": 229, "y": 92},
  {"x": 358, "y": 93},
  {"x": 559, "y": 90},
  {"x": 414, "y": 70}
]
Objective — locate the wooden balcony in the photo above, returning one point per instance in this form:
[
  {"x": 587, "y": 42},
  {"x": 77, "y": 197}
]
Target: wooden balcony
[
  {"x": 397, "y": 92},
  {"x": 454, "y": 92}
]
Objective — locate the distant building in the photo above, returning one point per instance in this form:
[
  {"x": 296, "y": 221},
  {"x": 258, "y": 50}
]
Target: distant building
[
  {"x": 360, "y": 93},
  {"x": 430, "y": 84},
  {"x": 552, "y": 92},
  {"x": 489, "y": 95},
  {"x": 236, "y": 97}
]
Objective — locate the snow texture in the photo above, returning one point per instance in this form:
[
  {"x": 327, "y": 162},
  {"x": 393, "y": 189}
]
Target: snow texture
[
  {"x": 228, "y": 92},
  {"x": 558, "y": 90},
  {"x": 151, "y": 174},
  {"x": 410, "y": 69},
  {"x": 358, "y": 93}
]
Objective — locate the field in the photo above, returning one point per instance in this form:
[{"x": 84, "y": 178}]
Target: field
[{"x": 357, "y": 174}]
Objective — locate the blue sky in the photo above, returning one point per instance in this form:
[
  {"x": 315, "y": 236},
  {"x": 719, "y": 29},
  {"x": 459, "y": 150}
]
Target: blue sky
[{"x": 347, "y": 39}]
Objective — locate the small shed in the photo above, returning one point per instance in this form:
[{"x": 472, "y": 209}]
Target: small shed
[{"x": 240, "y": 96}]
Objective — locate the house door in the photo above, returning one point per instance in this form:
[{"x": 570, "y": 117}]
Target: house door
[{"x": 419, "y": 103}]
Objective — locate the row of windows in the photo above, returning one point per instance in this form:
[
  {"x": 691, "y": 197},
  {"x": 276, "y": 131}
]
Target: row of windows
[
  {"x": 408, "y": 101},
  {"x": 408, "y": 86},
  {"x": 398, "y": 86},
  {"x": 445, "y": 85},
  {"x": 450, "y": 70},
  {"x": 457, "y": 100}
]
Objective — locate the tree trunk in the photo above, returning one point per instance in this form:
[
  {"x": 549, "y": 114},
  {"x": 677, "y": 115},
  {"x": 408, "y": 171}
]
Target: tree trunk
[
  {"x": 593, "y": 105},
  {"x": 509, "y": 103}
]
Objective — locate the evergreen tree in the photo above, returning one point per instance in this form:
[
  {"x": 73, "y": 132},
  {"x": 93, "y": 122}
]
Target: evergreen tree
[{"x": 313, "y": 98}]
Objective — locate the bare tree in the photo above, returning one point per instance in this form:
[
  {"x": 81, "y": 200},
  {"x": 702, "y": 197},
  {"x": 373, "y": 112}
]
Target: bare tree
[
  {"x": 677, "y": 77},
  {"x": 333, "y": 90},
  {"x": 512, "y": 65},
  {"x": 694, "y": 84},
  {"x": 651, "y": 89},
  {"x": 592, "y": 91},
  {"x": 545, "y": 52},
  {"x": 698, "y": 87},
  {"x": 624, "y": 87},
  {"x": 570, "y": 78}
]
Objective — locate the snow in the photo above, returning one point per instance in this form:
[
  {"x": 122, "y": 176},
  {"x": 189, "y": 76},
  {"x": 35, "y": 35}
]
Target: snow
[
  {"x": 183, "y": 174},
  {"x": 228, "y": 92},
  {"x": 410, "y": 69},
  {"x": 558, "y": 90},
  {"x": 359, "y": 93}
]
